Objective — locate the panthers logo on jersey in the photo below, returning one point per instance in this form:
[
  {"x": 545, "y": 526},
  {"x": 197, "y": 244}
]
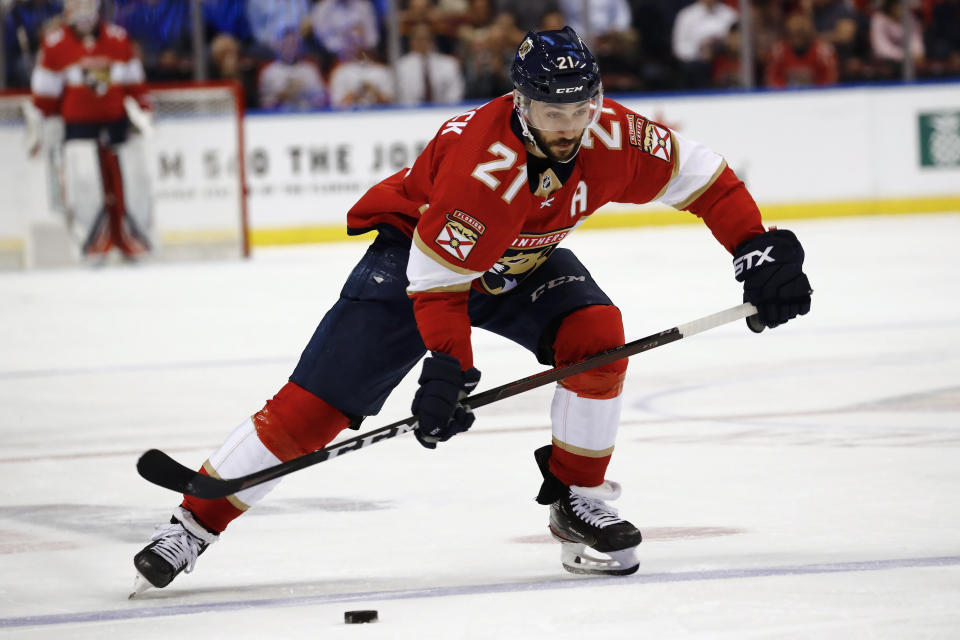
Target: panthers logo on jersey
[{"x": 528, "y": 251}]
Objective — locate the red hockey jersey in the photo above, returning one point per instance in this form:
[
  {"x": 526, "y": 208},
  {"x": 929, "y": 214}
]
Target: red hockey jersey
[
  {"x": 85, "y": 79},
  {"x": 477, "y": 219}
]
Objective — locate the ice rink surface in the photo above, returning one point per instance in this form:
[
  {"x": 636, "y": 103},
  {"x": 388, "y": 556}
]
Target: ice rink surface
[{"x": 801, "y": 483}]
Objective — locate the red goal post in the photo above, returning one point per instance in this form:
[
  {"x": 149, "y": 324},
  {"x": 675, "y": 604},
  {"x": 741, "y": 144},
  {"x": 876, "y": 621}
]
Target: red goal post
[{"x": 193, "y": 163}]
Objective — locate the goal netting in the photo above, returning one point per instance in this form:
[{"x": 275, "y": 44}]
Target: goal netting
[{"x": 193, "y": 166}]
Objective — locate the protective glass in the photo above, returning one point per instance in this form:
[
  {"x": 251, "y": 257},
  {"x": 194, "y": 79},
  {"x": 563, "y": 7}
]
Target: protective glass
[{"x": 552, "y": 116}]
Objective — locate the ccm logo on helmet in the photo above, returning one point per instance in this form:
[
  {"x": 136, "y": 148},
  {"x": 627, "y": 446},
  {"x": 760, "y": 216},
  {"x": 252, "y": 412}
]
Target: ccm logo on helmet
[
  {"x": 746, "y": 262},
  {"x": 569, "y": 89}
]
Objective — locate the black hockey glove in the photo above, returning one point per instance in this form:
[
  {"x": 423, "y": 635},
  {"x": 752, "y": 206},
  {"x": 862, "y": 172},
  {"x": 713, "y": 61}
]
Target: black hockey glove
[
  {"x": 436, "y": 405},
  {"x": 770, "y": 266}
]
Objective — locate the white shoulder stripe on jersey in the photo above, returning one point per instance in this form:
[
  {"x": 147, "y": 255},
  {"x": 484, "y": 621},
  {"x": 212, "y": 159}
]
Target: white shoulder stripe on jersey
[
  {"x": 427, "y": 271},
  {"x": 47, "y": 83},
  {"x": 130, "y": 72},
  {"x": 699, "y": 167}
]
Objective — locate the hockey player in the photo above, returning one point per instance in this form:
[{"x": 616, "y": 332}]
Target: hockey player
[
  {"x": 469, "y": 237},
  {"x": 87, "y": 73}
]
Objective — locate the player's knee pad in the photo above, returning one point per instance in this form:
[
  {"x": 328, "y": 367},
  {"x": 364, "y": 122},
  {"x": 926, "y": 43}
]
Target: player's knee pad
[
  {"x": 296, "y": 422},
  {"x": 586, "y": 332}
]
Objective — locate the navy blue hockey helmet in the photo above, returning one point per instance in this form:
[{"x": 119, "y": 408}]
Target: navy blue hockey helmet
[{"x": 556, "y": 68}]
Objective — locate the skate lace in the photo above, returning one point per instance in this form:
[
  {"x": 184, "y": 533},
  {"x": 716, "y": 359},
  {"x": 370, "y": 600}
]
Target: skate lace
[
  {"x": 177, "y": 546},
  {"x": 593, "y": 511}
]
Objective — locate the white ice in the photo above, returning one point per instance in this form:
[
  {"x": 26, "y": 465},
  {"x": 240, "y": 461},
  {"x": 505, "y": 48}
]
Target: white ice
[{"x": 801, "y": 483}]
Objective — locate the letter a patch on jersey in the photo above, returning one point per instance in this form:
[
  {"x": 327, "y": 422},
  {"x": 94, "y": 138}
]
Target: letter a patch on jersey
[
  {"x": 656, "y": 141},
  {"x": 459, "y": 236}
]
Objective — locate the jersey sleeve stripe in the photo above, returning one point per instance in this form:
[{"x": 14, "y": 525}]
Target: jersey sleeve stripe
[
  {"x": 678, "y": 155},
  {"x": 697, "y": 167},
  {"x": 699, "y": 192},
  {"x": 130, "y": 72},
  {"x": 45, "y": 82},
  {"x": 427, "y": 271}
]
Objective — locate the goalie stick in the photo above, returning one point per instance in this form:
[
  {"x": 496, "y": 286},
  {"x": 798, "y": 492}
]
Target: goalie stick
[{"x": 162, "y": 470}]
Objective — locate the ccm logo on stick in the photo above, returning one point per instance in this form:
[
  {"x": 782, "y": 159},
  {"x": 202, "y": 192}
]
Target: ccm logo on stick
[{"x": 762, "y": 256}]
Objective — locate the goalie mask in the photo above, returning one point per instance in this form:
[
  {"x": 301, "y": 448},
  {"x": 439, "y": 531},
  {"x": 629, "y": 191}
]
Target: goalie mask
[
  {"x": 556, "y": 83},
  {"x": 83, "y": 15}
]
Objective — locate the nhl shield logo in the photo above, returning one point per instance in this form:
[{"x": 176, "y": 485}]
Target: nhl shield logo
[{"x": 459, "y": 236}]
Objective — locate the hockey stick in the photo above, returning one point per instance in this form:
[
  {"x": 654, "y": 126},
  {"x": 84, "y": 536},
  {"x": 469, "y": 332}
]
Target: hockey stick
[{"x": 162, "y": 470}]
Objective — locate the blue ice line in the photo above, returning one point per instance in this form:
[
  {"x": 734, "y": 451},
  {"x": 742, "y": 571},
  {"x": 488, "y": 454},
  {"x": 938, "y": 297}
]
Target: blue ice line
[{"x": 479, "y": 589}]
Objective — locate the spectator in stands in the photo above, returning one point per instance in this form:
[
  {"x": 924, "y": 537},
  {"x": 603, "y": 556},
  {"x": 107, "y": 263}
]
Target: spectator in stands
[
  {"x": 229, "y": 17},
  {"x": 652, "y": 21},
  {"x": 888, "y": 40},
  {"x": 943, "y": 36},
  {"x": 360, "y": 80},
  {"x": 606, "y": 25},
  {"x": 726, "y": 70},
  {"x": 529, "y": 14},
  {"x": 425, "y": 76},
  {"x": 767, "y": 20},
  {"x": 696, "y": 31},
  {"x": 23, "y": 29},
  {"x": 269, "y": 17},
  {"x": 228, "y": 62},
  {"x": 551, "y": 21},
  {"x": 290, "y": 82},
  {"x": 601, "y": 17},
  {"x": 489, "y": 53},
  {"x": 802, "y": 58},
  {"x": 162, "y": 30},
  {"x": 474, "y": 23},
  {"x": 838, "y": 23},
  {"x": 340, "y": 25}
]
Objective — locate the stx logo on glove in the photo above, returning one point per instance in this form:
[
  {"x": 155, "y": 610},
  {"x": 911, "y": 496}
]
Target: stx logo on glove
[{"x": 747, "y": 259}]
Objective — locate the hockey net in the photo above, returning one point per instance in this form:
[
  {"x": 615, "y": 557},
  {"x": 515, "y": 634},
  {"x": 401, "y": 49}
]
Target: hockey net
[{"x": 193, "y": 175}]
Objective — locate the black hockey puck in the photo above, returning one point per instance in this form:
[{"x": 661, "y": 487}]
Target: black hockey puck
[{"x": 356, "y": 617}]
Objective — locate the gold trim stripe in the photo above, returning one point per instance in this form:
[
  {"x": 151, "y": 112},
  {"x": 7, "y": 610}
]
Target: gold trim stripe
[
  {"x": 699, "y": 192},
  {"x": 580, "y": 451},
  {"x": 651, "y": 216},
  {"x": 232, "y": 499}
]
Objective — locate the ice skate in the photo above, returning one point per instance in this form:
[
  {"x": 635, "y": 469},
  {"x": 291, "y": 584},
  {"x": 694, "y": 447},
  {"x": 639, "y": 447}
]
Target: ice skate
[
  {"x": 582, "y": 519},
  {"x": 174, "y": 549}
]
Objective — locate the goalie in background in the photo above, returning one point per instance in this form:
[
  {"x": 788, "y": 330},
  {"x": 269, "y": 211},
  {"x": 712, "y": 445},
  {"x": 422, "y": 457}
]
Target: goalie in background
[{"x": 87, "y": 73}]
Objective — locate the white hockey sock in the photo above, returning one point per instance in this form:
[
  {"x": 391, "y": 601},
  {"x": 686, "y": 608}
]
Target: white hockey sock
[{"x": 243, "y": 453}]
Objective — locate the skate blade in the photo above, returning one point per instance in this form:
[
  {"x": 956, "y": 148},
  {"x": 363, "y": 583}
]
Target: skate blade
[
  {"x": 620, "y": 563},
  {"x": 140, "y": 584}
]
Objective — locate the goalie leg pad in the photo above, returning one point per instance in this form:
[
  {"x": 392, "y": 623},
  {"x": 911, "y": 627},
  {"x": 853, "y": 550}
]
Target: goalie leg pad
[
  {"x": 125, "y": 230},
  {"x": 137, "y": 187},
  {"x": 586, "y": 408},
  {"x": 82, "y": 184}
]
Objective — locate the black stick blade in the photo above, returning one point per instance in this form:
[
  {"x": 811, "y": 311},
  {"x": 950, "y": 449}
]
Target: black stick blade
[{"x": 162, "y": 470}]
